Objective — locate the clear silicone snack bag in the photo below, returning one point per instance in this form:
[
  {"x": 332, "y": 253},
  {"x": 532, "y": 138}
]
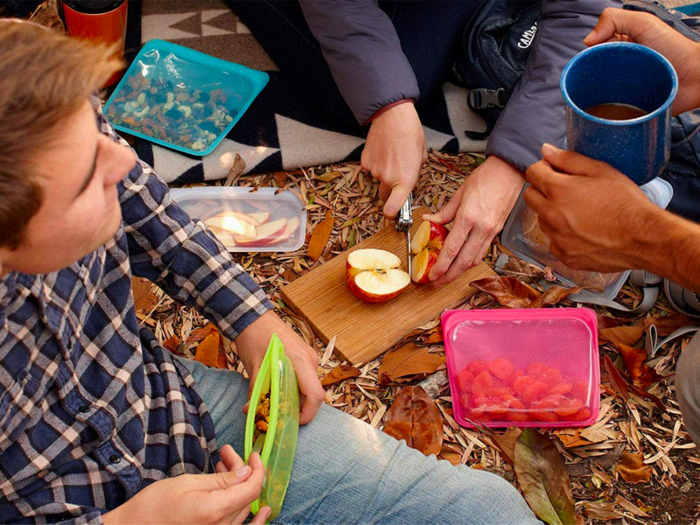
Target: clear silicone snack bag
[
  {"x": 245, "y": 219},
  {"x": 272, "y": 425}
]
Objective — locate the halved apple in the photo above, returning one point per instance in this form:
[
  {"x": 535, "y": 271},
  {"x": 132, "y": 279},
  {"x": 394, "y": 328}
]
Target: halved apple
[
  {"x": 266, "y": 234},
  {"x": 374, "y": 275},
  {"x": 426, "y": 246}
]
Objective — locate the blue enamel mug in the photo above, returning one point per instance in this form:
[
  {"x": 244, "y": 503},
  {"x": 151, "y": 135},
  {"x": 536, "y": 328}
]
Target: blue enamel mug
[{"x": 629, "y": 74}]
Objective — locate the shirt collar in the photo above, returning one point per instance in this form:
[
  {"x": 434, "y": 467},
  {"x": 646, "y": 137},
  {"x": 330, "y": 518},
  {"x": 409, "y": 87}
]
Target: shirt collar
[{"x": 8, "y": 283}]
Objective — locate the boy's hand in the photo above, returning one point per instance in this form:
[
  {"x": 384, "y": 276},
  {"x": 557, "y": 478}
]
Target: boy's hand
[
  {"x": 646, "y": 29},
  {"x": 251, "y": 345},
  {"x": 596, "y": 218},
  {"x": 224, "y": 497}
]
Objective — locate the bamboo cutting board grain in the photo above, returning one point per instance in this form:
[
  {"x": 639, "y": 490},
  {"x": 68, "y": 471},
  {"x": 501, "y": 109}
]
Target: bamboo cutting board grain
[{"x": 363, "y": 331}]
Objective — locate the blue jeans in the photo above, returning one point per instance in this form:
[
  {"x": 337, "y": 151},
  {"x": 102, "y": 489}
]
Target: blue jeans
[{"x": 345, "y": 471}]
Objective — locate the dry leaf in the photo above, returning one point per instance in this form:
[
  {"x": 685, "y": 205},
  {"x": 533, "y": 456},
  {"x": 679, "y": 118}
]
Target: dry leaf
[
  {"x": 144, "y": 299},
  {"x": 435, "y": 337},
  {"x": 415, "y": 418},
  {"x": 543, "y": 479},
  {"x": 513, "y": 293},
  {"x": 172, "y": 344},
  {"x": 641, "y": 373},
  {"x": 571, "y": 437},
  {"x": 280, "y": 178},
  {"x": 340, "y": 373},
  {"x": 506, "y": 443},
  {"x": 667, "y": 325},
  {"x": 597, "y": 510},
  {"x": 201, "y": 333},
  {"x": 616, "y": 380},
  {"x": 621, "y": 335},
  {"x": 451, "y": 454},
  {"x": 508, "y": 291},
  {"x": 208, "y": 350},
  {"x": 409, "y": 360},
  {"x": 320, "y": 236},
  {"x": 222, "y": 362},
  {"x": 556, "y": 294},
  {"x": 632, "y": 468}
]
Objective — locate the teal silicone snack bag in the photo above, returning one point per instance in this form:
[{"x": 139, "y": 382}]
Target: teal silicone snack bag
[{"x": 182, "y": 99}]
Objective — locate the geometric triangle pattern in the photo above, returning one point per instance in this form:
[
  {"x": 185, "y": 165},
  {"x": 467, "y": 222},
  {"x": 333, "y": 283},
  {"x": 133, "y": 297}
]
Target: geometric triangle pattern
[{"x": 283, "y": 128}]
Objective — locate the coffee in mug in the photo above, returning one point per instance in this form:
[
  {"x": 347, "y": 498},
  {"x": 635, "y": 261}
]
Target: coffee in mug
[{"x": 616, "y": 111}]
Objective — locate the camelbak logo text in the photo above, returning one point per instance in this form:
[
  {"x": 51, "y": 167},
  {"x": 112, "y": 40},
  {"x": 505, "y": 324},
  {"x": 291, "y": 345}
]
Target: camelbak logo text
[{"x": 527, "y": 37}]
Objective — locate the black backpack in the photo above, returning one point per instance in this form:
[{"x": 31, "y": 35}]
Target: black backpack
[{"x": 492, "y": 56}]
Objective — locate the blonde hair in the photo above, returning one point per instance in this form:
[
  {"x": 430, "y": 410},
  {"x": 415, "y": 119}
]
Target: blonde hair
[{"x": 45, "y": 77}]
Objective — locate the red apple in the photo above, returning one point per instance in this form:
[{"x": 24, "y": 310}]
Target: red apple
[
  {"x": 374, "y": 275},
  {"x": 426, "y": 246},
  {"x": 429, "y": 235},
  {"x": 266, "y": 234},
  {"x": 421, "y": 265}
]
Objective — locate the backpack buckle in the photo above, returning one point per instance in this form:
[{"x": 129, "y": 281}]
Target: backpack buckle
[{"x": 480, "y": 99}]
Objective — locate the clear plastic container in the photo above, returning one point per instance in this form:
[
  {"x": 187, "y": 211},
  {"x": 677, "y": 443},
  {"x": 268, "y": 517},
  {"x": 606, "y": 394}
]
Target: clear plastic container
[
  {"x": 181, "y": 98},
  {"x": 523, "y": 236},
  {"x": 526, "y": 368},
  {"x": 245, "y": 220}
]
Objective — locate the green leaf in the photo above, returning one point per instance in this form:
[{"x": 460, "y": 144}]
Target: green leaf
[{"x": 543, "y": 479}]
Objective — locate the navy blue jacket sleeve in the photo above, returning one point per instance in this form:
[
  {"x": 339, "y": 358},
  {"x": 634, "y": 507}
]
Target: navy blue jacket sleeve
[
  {"x": 536, "y": 112},
  {"x": 361, "y": 47}
]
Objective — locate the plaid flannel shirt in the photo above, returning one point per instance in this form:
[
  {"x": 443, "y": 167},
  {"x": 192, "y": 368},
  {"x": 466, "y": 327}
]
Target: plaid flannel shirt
[{"x": 93, "y": 408}]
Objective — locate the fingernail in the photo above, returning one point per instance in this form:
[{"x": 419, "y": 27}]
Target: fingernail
[
  {"x": 548, "y": 149},
  {"x": 243, "y": 471},
  {"x": 590, "y": 36}
]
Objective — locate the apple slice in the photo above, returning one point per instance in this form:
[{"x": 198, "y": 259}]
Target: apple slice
[
  {"x": 234, "y": 223},
  {"x": 225, "y": 237},
  {"x": 426, "y": 246},
  {"x": 422, "y": 263},
  {"x": 292, "y": 225},
  {"x": 429, "y": 235},
  {"x": 266, "y": 234},
  {"x": 374, "y": 275},
  {"x": 261, "y": 217}
]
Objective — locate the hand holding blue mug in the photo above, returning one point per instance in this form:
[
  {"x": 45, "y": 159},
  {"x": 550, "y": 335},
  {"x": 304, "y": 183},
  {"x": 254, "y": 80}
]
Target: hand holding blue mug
[
  {"x": 619, "y": 97},
  {"x": 624, "y": 25}
]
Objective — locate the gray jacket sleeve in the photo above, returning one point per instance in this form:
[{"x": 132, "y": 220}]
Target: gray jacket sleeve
[
  {"x": 536, "y": 112},
  {"x": 361, "y": 47}
]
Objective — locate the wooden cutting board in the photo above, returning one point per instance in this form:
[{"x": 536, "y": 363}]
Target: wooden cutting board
[{"x": 363, "y": 331}]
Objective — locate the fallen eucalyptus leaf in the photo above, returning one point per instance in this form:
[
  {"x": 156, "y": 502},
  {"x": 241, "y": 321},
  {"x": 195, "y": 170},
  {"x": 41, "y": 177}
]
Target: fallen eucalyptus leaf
[
  {"x": 340, "y": 373},
  {"x": 408, "y": 360},
  {"x": 208, "y": 350},
  {"x": 415, "y": 418},
  {"x": 667, "y": 325},
  {"x": 641, "y": 373},
  {"x": 632, "y": 468},
  {"x": 621, "y": 335},
  {"x": 320, "y": 236},
  {"x": 506, "y": 443},
  {"x": 616, "y": 379},
  {"x": 513, "y": 293},
  {"x": 542, "y": 477}
]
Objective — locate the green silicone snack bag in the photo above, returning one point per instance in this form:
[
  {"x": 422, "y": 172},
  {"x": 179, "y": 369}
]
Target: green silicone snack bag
[{"x": 272, "y": 425}]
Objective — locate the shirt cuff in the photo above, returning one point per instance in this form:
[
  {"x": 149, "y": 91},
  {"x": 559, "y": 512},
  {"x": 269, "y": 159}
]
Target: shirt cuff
[{"x": 387, "y": 107}]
